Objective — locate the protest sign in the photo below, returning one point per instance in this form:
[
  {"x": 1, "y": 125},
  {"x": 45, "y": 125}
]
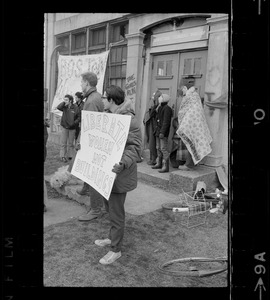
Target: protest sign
[
  {"x": 103, "y": 139},
  {"x": 70, "y": 69}
]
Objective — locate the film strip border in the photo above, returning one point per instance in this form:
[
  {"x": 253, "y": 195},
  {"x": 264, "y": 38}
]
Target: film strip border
[{"x": 249, "y": 163}]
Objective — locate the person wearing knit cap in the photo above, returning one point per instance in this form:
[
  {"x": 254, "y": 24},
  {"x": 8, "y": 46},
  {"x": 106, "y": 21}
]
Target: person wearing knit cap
[{"x": 163, "y": 123}]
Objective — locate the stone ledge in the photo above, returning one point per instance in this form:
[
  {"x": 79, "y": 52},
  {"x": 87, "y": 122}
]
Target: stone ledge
[{"x": 187, "y": 180}]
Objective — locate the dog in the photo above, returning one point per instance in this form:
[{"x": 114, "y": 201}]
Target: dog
[{"x": 63, "y": 177}]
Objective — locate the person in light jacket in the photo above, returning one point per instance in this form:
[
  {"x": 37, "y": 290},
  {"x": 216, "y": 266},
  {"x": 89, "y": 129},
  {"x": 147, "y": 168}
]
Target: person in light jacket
[{"x": 126, "y": 170}]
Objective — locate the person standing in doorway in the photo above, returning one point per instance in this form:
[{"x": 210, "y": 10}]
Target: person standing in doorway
[
  {"x": 126, "y": 170},
  {"x": 164, "y": 115},
  {"x": 192, "y": 126},
  {"x": 150, "y": 124},
  {"x": 93, "y": 102},
  {"x": 69, "y": 120}
]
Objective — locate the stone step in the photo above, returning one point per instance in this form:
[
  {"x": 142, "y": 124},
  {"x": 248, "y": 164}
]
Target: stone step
[{"x": 175, "y": 181}]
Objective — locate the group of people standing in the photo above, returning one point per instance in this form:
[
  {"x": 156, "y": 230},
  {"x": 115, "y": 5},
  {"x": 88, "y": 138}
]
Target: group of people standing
[
  {"x": 183, "y": 140},
  {"x": 112, "y": 101},
  {"x": 190, "y": 126}
]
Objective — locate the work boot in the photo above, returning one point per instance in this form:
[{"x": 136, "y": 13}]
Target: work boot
[
  {"x": 84, "y": 190},
  {"x": 158, "y": 165},
  {"x": 91, "y": 215},
  {"x": 165, "y": 166},
  {"x": 151, "y": 162}
]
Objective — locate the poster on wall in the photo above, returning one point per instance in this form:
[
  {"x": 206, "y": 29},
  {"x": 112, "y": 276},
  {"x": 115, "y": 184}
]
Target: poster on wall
[
  {"x": 103, "y": 138},
  {"x": 70, "y": 69}
]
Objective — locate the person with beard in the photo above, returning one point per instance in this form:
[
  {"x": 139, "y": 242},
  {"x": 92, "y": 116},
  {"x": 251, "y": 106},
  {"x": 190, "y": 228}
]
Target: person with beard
[{"x": 69, "y": 121}]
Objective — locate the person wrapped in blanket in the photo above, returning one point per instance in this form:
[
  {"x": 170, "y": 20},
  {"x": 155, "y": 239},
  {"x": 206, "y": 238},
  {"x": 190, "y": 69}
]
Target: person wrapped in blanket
[{"x": 192, "y": 126}]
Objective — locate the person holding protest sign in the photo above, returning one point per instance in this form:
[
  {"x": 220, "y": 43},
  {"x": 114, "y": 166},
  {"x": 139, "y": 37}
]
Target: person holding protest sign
[
  {"x": 126, "y": 170},
  {"x": 69, "y": 121},
  {"x": 93, "y": 102}
]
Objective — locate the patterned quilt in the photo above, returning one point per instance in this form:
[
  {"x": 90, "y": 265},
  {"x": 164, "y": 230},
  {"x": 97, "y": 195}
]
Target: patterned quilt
[{"x": 193, "y": 129}]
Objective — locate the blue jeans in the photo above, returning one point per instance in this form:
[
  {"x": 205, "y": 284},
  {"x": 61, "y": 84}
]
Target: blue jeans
[{"x": 67, "y": 142}]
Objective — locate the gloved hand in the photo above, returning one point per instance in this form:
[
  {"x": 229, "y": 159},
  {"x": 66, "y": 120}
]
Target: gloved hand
[
  {"x": 161, "y": 136},
  {"x": 117, "y": 168},
  {"x": 77, "y": 146}
]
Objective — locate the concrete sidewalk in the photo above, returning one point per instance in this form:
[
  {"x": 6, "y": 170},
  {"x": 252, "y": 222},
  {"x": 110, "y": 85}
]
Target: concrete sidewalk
[{"x": 144, "y": 199}]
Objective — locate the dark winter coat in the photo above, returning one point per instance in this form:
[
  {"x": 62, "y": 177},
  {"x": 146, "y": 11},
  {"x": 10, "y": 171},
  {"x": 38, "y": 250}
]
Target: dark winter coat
[
  {"x": 163, "y": 119},
  {"x": 70, "y": 118},
  {"x": 93, "y": 101},
  {"x": 126, "y": 180}
]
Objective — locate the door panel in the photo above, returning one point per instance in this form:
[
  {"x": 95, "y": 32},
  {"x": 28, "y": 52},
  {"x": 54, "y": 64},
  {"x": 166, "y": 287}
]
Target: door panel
[
  {"x": 165, "y": 75},
  {"x": 169, "y": 69},
  {"x": 193, "y": 65}
]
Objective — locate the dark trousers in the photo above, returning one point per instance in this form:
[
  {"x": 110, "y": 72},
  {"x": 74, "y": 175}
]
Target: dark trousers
[{"x": 116, "y": 210}]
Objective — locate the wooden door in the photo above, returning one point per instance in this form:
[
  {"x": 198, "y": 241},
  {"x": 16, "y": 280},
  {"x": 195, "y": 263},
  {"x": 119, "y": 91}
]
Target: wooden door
[
  {"x": 193, "y": 65},
  {"x": 165, "y": 75}
]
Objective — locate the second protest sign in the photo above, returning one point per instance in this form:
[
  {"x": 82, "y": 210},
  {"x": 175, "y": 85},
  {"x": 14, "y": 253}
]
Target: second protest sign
[{"x": 103, "y": 139}]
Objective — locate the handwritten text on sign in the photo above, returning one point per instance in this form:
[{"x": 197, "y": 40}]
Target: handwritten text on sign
[
  {"x": 103, "y": 139},
  {"x": 70, "y": 70}
]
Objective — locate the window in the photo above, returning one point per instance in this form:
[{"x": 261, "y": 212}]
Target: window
[
  {"x": 97, "y": 40},
  {"x": 164, "y": 68},
  {"x": 64, "y": 41},
  {"x": 117, "y": 66},
  {"x": 192, "y": 66},
  {"x": 197, "y": 66},
  {"x": 187, "y": 66},
  {"x": 118, "y": 32},
  {"x": 78, "y": 44}
]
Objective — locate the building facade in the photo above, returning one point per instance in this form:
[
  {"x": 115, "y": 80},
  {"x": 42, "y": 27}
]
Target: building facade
[{"x": 150, "y": 52}]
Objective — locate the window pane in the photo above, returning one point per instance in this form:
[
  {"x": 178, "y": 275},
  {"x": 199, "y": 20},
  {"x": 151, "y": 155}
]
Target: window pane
[
  {"x": 187, "y": 66},
  {"x": 98, "y": 37},
  {"x": 124, "y": 53},
  {"x": 118, "y": 71},
  {"x": 119, "y": 54},
  {"x": 101, "y": 37},
  {"x": 113, "y": 72},
  {"x": 160, "y": 68},
  {"x": 113, "y": 81},
  {"x": 124, "y": 71},
  {"x": 169, "y": 68},
  {"x": 116, "y": 33},
  {"x": 94, "y": 38},
  {"x": 197, "y": 66},
  {"x": 113, "y": 55}
]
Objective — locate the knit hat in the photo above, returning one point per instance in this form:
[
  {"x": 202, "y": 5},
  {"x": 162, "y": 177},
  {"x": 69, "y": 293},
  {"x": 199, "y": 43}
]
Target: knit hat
[{"x": 165, "y": 98}]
